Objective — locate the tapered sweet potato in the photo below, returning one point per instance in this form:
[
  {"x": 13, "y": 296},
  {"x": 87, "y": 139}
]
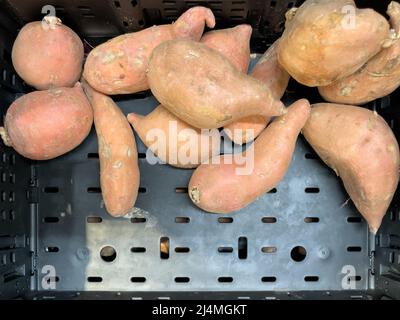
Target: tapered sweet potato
[
  {"x": 269, "y": 71},
  {"x": 361, "y": 148},
  {"x": 328, "y": 40},
  {"x": 119, "y": 170},
  {"x": 233, "y": 44},
  {"x": 42, "y": 125},
  {"x": 379, "y": 77},
  {"x": 47, "y": 54},
  {"x": 119, "y": 65},
  {"x": 174, "y": 141},
  {"x": 218, "y": 187},
  {"x": 203, "y": 88}
]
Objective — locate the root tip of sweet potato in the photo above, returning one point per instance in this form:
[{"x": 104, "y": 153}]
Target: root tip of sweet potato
[
  {"x": 4, "y": 136},
  {"x": 194, "y": 194}
]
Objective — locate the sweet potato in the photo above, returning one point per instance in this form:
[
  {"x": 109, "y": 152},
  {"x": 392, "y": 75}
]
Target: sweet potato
[
  {"x": 269, "y": 71},
  {"x": 218, "y": 187},
  {"x": 174, "y": 141},
  {"x": 119, "y": 65},
  {"x": 379, "y": 77},
  {"x": 232, "y": 43},
  {"x": 203, "y": 88},
  {"x": 119, "y": 170},
  {"x": 48, "y": 54},
  {"x": 42, "y": 125},
  {"x": 361, "y": 148},
  {"x": 325, "y": 41}
]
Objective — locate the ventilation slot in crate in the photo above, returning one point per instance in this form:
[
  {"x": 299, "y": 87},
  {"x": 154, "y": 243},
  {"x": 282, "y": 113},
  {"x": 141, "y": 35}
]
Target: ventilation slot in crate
[
  {"x": 182, "y": 220},
  {"x": 138, "y": 249},
  {"x": 225, "y": 249},
  {"x": 268, "y": 279},
  {"x": 268, "y": 220},
  {"x": 182, "y": 249},
  {"x": 225, "y": 219},
  {"x": 182, "y": 279},
  {"x": 225, "y": 279},
  {"x": 138, "y": 279}
]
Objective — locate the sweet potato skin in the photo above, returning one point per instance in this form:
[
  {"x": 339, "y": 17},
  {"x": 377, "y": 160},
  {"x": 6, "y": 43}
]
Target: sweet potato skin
[
  {"x": 179, "y": 137},
  {"x": 315, "y": 37},
  {"x": 217, "y": 188},
  {"x": 119, "y": 65},
  {"x": 48, "y": 58},
  {"x": 203, "y": 88},
  {"x": 43, "y": 125},
  {"x": 361, "y": 148},
  {"x": 269, "y": 71},
  {"x": 379, "y": 77},
  {"x": 232, "y": 43},
  {"x": 119, "y": 170}
]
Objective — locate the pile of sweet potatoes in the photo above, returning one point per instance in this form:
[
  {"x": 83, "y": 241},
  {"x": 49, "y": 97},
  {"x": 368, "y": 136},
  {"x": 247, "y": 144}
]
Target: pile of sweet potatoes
[{"x": 203, "y": 86}]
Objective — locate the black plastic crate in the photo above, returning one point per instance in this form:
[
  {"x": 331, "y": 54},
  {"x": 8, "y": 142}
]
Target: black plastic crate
[{"x": 302, "y": 240}]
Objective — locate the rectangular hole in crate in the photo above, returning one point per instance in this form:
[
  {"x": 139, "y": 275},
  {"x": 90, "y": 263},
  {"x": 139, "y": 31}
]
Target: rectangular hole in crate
[
  {"x": 237, "y": 9},
  {"x": 225, "y": 279},
  {"x": 94, "y": 219},
  {"x": 311, "y": 278},
  {"x": 181, "y": 190},
  {"x": 11, "y": 178},
  {"x": 182, "y": 219},
  {"x": 84, "y": 8},
  {"x": 3, "y": 215},
  {"x": 12, "y": 257},
  {"x": 3, "y": 177},
  {"x": 142, "y": 155},
  {"x": 310, "y": 155},
  {"x": 12, "y": 159},
  {"x": 215, "y": 3},
  {"x": 117, "y": 4},
  {"x": 88, "y": 15},
  {"x": 93, "y": 155},
  {"x": 11, "y": 196},
  {"x": 51, "y": 219},
  {"x": 273, "y": 190},
  {"x": 225, "y": 249},
  {"x": 51, "y": 189},
  {"x": 242, "y": 248},
  {"x": 138, "y": 279},
  {"x": 225, "y": 219},
  {"x": 236, "y": 17},
  {"x": 142, "y": 190},
  {"x": 138, "y": 220},
  {"x": 138, "y": 249},
  {"x": 354, "y": 249},
  {"x": 11, "y": 215},
  {"x": 268, "y": 279},
  {"x": 311, "y": 190},
  {"x": 269, "y": 249},
  {"x": 164, "y": 247},
  {"x": 3, "y": 196},
  {"x": 94, "y": 190},
  {"x": 311, "y": 219},
  {"x": 268, "y": 220},
  {"x": 182, "y": 279},
  {"x": 4, "y": 75},
  {"x": 182, "y": 249},
  {"x": 3, "y": 259},
  {"x": 171, "y": 10},
  {"x": 238, "y": 2},
  {"x": 354, "y": 219},
  {"x": 94, "y": 279},
  {"x": 391, "y": 257},
  {"x": 353, "y": 278},
  {"x": 52, "y": 249}
]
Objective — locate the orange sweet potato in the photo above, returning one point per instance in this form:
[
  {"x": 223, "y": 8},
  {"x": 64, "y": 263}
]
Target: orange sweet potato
[
  {"x": 233, "y": 44},
  {"x": 48, "y": 54},
  {"x": 203, "y": 88},
  {"x": 379, "y": 77},
  {"x": 174, "y": 141},
  {"x": 361, "y": 148},
  {"x": 269, "y": 71},
  {"x": 42, "y": 125},
  {"x": 218, "y": 187},
  {"x": 119, "y": 65},
  {"x": 119, "y": 170},
  {"x": 324, "y": 41}
]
